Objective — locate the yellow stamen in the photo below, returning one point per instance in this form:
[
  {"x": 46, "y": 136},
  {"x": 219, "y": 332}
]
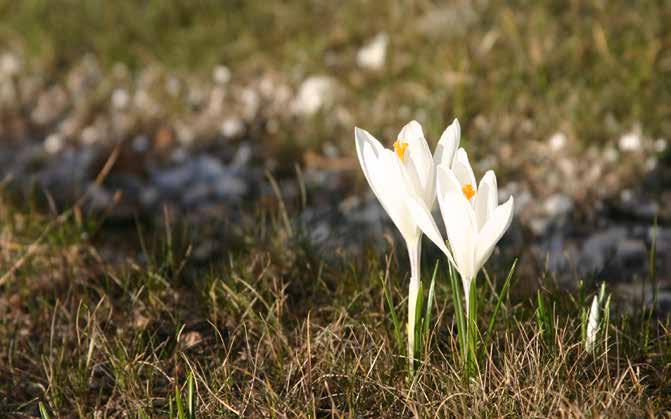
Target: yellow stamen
[
  {"x": 399, "y": 148},
  {"x": 468, "y": 191}
]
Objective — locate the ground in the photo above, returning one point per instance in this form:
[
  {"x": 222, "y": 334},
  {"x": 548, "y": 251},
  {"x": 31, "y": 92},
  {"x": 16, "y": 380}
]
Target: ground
[
  {"x": 181, "y": 203},
  {"x": 273, "y": 330}
]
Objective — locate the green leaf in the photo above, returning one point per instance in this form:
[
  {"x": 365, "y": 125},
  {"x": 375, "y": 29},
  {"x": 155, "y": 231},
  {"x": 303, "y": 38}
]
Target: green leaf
[
  {"x": 606, "y": 320},
  {"x": 398, "y": 336},
  {"x": 418, "y": 322},
  {"x": 44, "y": 413},
  {"x": 602, "y": 294},
  {"x": 541, "y": 313},
  {"x": 583, "y": 323},
  {"x": 652, "y": 268},
  {"x": 581, "y": 293},
  {"x": 499, "y": 300},
  {"x": 191, "y": 401},
  {"x": 429, "y": 303},
  {"x": 178, "y": 402}
]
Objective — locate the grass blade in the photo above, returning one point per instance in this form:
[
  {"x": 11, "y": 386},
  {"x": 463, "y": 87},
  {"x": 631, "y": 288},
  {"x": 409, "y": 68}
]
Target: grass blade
[
  {"x": 394, "y": 318},
  {"x": 499, "y": 300},
  {"x": 606, "y": 323},
  {"x": 652, "y": 270},
  {"x": 583, "y": 324},
  {"x": 178, "y": 402},
  {"x": 418, "y": 322},
  {"x": 429, "y": 303},
  {"x": 541, "y": 314},
  {"x": 191, "y": 401},
  {"x": 44, "y": 413}
]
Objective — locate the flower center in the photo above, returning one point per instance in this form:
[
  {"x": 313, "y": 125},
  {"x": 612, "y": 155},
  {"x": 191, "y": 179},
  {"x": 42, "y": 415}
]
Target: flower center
[
  {"x": 399, "y": 148},
  {"x": 468, "y": 191}
]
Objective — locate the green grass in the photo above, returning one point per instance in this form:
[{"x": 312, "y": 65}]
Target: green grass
[{"x": 272, "y": 329}]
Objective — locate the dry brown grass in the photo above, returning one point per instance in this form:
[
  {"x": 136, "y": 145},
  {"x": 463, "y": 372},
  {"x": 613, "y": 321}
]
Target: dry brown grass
[{"x": 274, "y": 331}]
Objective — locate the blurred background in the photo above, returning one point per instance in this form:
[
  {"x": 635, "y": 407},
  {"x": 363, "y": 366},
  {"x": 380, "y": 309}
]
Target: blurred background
[{"x": 217, "y": 111}]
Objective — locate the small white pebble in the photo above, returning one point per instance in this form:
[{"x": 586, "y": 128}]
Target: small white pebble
[
  {"x": 221, "y": 74},
  {"x": 9, "y": 64},
  {"x": 315, "y": 93},
  {"x": 231, "y": 127},
  {"x": 650, "y": 164},
  {"x": 558, "y": 204},
  {"x": 250, "y": 101},
  {"x": 630, "y": 141},
  {"x": 89, "y": 135},
  {"x": 372, "y": 56},
  {"x": 120, "y": 98},
  {"x": 53, "y": 143},
  {"x": 557, "y": 141},
  {"x": 660, "y": 145}
]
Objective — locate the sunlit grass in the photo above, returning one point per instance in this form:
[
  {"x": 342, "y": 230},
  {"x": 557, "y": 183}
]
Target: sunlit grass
[
  {"x": 94, "y": 321},
  {"x": 272, "y": 329}
]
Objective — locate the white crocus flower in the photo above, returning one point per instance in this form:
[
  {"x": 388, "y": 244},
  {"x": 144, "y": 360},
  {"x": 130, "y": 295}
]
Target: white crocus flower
[
  {"x": 404, "y": 181},
  {"x": 592, "y": 325},
  {"x": 473, "y": 219}
]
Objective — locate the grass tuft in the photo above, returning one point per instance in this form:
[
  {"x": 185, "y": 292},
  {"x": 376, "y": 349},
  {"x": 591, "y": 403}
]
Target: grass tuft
[{"x": 270, "y": 331}]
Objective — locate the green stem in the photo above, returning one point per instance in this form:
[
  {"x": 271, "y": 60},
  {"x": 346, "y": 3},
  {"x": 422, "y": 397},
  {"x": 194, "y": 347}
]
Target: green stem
[
  {"x": 471, "y": 325},
  {"x": 414, "y": 252}
]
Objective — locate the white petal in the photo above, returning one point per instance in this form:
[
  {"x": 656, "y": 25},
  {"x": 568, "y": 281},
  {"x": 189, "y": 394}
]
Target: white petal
[
  {"x": 411, "y": 172},
  {"x": 363, "y": 138},
  {"x": 493, "y": 230},
  {"x": 430, "y": 191},
  {"x": 411, "y": 132},
  {"x": 461, "y": 229},
  {"x": 446, "y": 181},
  {"x": 447, "y": 144},
  {"x": 490, "y": 178},
  {"x": 379, "y": 180},
  {"x": 486, "y": 198},
  {"x": 395, "y": 191},
  {"x": 383, "y": 172},
  {"x": 463, "y": 170},
  {"x": 418, "y": 160},
  {"x": 592, "y": 324},
  {"x": 422, "y": 216}
]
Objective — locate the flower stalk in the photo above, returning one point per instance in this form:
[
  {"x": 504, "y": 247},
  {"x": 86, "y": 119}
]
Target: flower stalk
[
  {"x": 407, "y": 179},
  {"x": 414, "y": 252},
  {"x": 474, "y": 223},
  {"x": 403, "y": 179}
]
